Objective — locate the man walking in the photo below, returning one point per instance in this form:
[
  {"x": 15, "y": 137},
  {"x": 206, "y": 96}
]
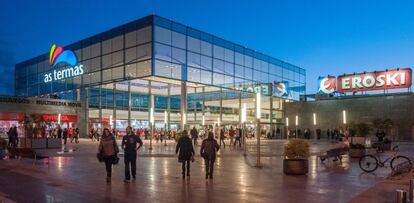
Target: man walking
[
  {"x": 194, "y": 135},
  {"x": 222, "y": 137},
  {"x": 186, "y": 154},
  {"x": 208, "y": 150},
  {"x": 129, "y": 145}
]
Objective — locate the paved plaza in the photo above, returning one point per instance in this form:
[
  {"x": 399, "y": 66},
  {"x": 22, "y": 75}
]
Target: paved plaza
[{"x": 76, "y": 176}]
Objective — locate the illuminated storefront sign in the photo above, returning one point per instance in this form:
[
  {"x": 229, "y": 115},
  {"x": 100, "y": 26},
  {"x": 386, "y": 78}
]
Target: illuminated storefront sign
[
  {"x": 383, "y": 80},
  {"x": 281, "y": 89},
  {"x": 392, "y": 79},
  {"x": 326, "y": 85},
  {"x": 57, "y": 56}
]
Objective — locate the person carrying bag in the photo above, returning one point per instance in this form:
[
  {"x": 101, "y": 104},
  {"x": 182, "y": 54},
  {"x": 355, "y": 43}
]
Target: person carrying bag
[{"x": 108, "y": 152}]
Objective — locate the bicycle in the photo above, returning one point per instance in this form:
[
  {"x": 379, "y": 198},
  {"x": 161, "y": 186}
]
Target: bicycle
[{"x": 369, "y": 163}]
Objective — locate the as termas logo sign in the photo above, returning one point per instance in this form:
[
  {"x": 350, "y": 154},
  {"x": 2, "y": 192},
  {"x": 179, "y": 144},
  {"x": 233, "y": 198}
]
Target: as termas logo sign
[
  {"x": 326, "y": 85},
  {"x": 58, "y": 56}
]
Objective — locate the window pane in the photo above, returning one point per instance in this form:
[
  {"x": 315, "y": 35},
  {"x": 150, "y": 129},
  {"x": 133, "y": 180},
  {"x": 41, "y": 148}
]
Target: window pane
[
  {"x": 229, "y": 68},
  {"x": 144, "y": 35},
  {"x": 248, "y": 61},
  {"x": 118, "y": 43},
  {"x": 131, "y": 39},
  {"x": 218, "y": 66},
  {"x": 193, "y": 74},
  {"x": 130, "y": 55},
  {"x": 218, "y": 52},
  {"x": 193, "y": 44},
  {"x": 178, "y": 56},
  {"x": 162, "y": 68},
  {"x": 178, "y": 40},
  {"x": 205, "y": 77},
  {"x": 248, "y": 73},
  {"x": 218, "y": 79},
  {"x": 162, "y": 52},
  {"x": 206, "y": 48},
  {"x": 176, "y": 71},
  {"x": 239, "y": 71},
  {"x": 144, "y": 52},
  {"x": 162, "y": 35},
  {"x": 206, "y": 62},
  {"x": 239, "y": 58},
  {"x": 229, "y": 55},
  {"x": 193, "y": 59}
]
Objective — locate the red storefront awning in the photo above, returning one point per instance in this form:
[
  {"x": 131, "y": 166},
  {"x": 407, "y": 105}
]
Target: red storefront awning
[
  {"x": 63, "y": 118},
  {"x": 12, "y": 116}
]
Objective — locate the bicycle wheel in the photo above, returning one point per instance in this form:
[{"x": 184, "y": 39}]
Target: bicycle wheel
[
  {"x": 399, "y": 161},
  {"x": 368, "y": 163}
]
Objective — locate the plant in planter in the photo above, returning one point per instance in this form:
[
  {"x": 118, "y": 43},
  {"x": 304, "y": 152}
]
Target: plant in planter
[
  {"x": 357, "y": 150},
  {"x": 296, "y": 157}
]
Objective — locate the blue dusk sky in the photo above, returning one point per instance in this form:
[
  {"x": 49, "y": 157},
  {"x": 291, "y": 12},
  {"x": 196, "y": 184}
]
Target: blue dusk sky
[{"x": 324, "y": 37}]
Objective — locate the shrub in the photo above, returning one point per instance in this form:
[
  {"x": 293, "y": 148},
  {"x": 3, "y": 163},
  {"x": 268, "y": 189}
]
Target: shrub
[{"x": 296, "y": 149}]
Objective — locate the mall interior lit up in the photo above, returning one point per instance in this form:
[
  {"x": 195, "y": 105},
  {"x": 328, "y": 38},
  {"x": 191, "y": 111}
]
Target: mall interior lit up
[{"x": 156, "y": 68}]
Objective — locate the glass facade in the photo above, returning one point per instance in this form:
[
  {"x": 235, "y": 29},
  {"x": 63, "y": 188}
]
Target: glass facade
[{"x": 145, "y": 63}]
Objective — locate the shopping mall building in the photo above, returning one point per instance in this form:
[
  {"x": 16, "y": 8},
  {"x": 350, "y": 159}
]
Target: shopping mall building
[{"x": 156, "y": 68}]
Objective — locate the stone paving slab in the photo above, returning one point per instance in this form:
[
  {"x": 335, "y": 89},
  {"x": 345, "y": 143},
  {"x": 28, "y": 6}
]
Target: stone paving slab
[{"x": 77, "y": 177}]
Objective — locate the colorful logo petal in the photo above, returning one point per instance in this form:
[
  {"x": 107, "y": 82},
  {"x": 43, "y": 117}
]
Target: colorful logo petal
[{"x": 59, "y": 55}]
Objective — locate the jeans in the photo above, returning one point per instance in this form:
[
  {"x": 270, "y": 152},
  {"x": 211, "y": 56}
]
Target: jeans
[
  {"x": 188, "y": 167},
  {"x": 209, "y": 167},
  {"x": 222, "y": 141},
  {"x": 130, "y": 160},
  {"x": 108, "y": 165}
]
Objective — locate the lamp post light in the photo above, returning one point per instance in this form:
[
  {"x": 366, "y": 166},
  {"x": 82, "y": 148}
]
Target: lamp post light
[
  {"x": 243, "y": 121},
  {"x": 344, "y": 116},
  {"x": 203, "y": 120},
  {"x": 151, "y": 126},
  {"x": 165, "y": 127},
  {"x": 258, "y": 116},
  {"x": 296, "y": 125},
  {"x": 287, "y": 128},
  {"x": 314, "y": 125}
]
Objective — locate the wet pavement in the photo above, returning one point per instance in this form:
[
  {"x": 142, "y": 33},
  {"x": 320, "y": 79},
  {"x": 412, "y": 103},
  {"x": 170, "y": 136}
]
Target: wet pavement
[{"x": 76, "y": 176}]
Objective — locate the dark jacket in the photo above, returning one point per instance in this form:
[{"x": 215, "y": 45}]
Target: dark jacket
[
  {"x": 194, "y": 133},
  {"x": 209, "y": 148},
  {"x": 186, "y": 149},
  {"x": 129, "y": 143}
]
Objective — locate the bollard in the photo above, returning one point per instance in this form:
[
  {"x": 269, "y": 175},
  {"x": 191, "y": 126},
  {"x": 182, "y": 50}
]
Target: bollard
[
  {"x": 401, "y": 196},
  {"x": 411, "y": 191}
]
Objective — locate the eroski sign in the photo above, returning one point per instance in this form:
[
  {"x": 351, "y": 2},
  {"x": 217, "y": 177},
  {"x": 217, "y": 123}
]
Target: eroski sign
[
  {"x": 367, "y": 81},
  {"x": 57, "y": 56}
]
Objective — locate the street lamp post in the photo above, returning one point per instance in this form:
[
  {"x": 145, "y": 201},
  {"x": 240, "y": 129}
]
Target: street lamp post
[
  {"x": 287, "y": 128},
  {"x": 243, "y": 121},
  {"x": 165, "y": 127},
  {"x": 296, "y": 126},
  {"x": 314, "y": 125},
  {"x": 258, "y": 115},
  {"x": 152, "y": 126}
]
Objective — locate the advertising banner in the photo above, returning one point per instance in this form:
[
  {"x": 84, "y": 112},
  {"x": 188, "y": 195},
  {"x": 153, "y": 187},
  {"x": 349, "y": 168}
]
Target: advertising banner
[{"x": 383, "y": 80}]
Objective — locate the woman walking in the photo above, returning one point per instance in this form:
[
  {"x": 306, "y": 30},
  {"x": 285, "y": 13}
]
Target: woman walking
[
  {"x": 185, "y": 147},
  {"x": 108, "y": 150},
  {"x": 209, "y": 148}
]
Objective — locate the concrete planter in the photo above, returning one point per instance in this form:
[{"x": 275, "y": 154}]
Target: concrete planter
[
  {"x": 54, "y": 143},
  {"x": 39, "y": 143},
  {"x": 356, "y": 153},
  {"x": 295, "y": 166},
  {"x": 22, "y": 143}
]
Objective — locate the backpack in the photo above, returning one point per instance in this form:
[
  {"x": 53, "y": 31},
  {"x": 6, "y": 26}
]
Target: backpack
[{"x": 209, "y": 149}]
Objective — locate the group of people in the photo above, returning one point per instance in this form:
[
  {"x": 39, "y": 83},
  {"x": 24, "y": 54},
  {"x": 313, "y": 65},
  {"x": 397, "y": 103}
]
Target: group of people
[
  {"x": 108, "y": 152},
  {"x": 65, "y": 134}
]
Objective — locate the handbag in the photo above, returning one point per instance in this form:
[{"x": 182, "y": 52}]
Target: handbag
[
  {"x": 99, "y": 156},
  {"x": 115, "y": 160}
]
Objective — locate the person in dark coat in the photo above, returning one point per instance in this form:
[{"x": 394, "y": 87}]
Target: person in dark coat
[
  {"x": 194, "y": 135},
  {"x": 208, "y": 151},
  {"x": 65, "y": 136},
  {"x": 186, "y": 149}
]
